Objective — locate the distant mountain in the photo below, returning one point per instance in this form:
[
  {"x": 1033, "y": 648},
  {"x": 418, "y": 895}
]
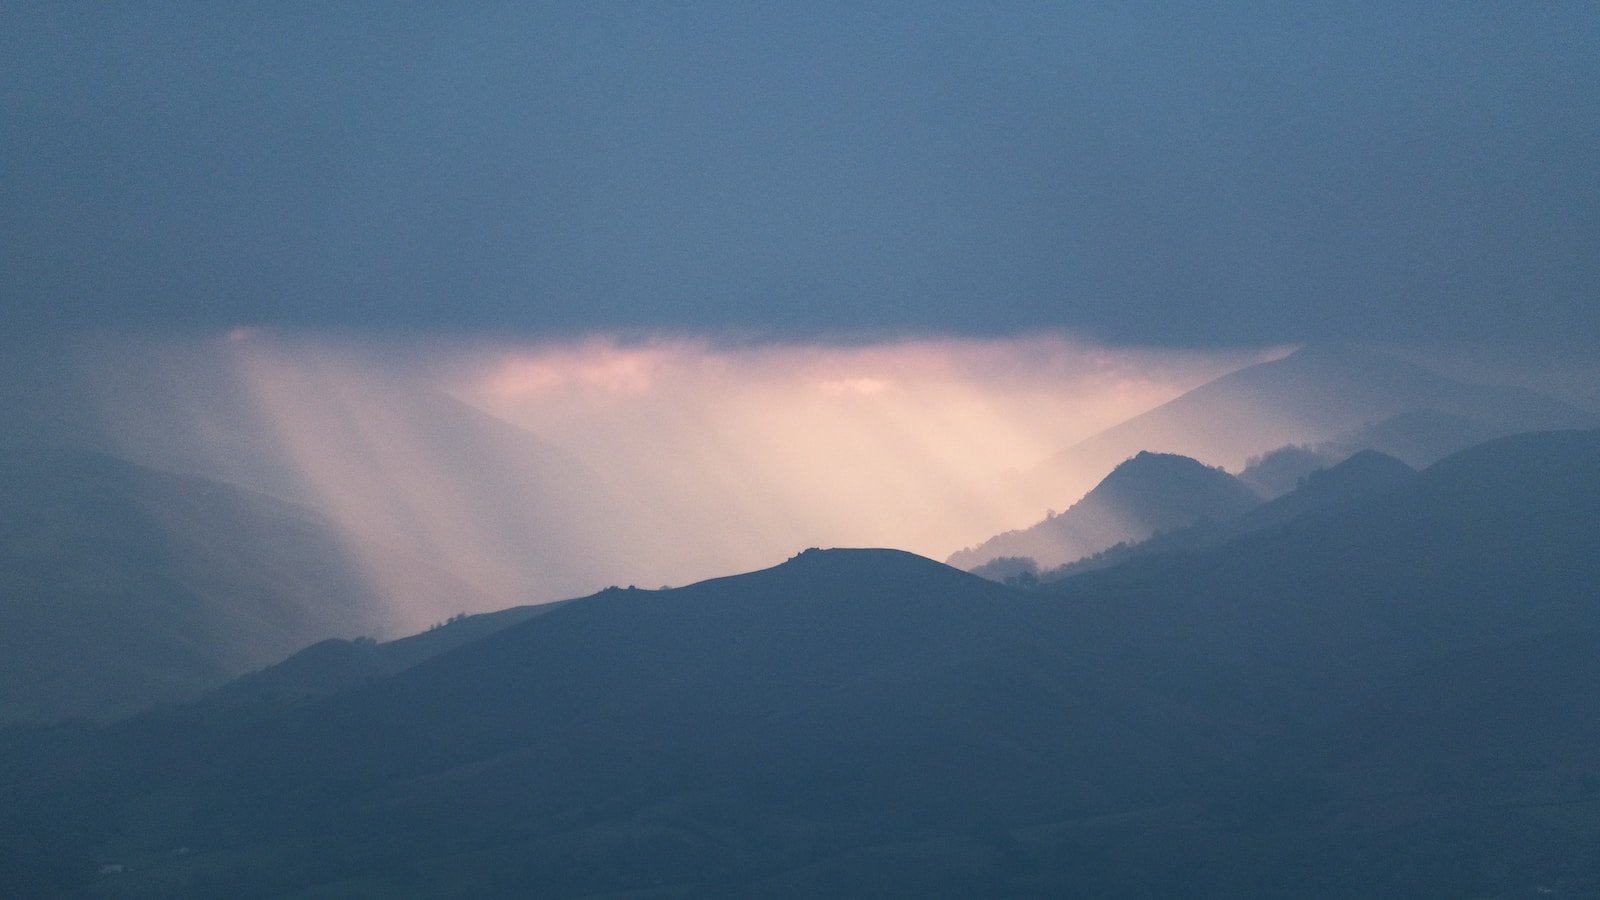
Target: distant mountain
[
  {"x": 1363, "y": 476},
  {"x": 1149, "y": 493},
  {"x": 1279, "y": 471},
  {"x": 1314, "y": 395},
  {"x": 1390, "y": 697},
  {"x": 1420, "y": 437},
  {"x": 121, "y": 586}
]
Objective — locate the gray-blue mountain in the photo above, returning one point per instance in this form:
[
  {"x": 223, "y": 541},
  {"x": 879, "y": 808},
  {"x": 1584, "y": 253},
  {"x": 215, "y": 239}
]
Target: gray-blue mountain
[{"x": 1391, "y": 696}]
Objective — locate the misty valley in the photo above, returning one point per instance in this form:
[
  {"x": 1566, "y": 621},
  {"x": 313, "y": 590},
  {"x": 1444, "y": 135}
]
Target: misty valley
[{"x": 1321, "y": 625}]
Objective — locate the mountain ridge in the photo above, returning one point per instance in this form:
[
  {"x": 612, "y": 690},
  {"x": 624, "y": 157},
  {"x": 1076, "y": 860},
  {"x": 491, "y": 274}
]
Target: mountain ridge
[
  {"x": 1316, "y": 394},
  {"x": 1145, "y": 494},
  {"x": 852, "y": 715}
]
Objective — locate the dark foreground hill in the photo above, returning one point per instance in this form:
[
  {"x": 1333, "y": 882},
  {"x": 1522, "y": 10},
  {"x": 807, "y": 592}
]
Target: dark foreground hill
[
  {"x": 1146, "y": 494},
  {"x": 1392, "y": 698}
]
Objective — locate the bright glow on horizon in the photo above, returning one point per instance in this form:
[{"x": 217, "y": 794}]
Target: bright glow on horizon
[
  {"x": 913, "y": 443},
  {"x": 539, "y": 470},
  {"x": 1034, "y": 394}
]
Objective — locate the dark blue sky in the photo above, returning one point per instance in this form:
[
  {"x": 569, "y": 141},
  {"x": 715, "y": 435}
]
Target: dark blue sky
[{"x": 1164, "y": 174}]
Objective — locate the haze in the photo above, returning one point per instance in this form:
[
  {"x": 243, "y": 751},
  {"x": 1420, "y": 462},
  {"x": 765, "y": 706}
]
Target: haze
[
  {"x": 729, "y": 280},
  {"x": 648, "y": 461}
]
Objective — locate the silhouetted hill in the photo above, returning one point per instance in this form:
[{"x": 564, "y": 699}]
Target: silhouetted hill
[
  {"x": 1389, "y": 697},
  {"x": 824, "y": 682},
  {"x": 335, "y": 664},
  {"x": 121, "y": 587},
  {"x": 850, "y": 694},
  {"x": 1485, "y": 546},
  {"x": 1149, "y": 493}
]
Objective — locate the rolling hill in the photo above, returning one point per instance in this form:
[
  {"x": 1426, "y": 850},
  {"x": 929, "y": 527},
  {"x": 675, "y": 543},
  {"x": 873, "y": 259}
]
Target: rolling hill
[{"x": 1382, "y": 698}]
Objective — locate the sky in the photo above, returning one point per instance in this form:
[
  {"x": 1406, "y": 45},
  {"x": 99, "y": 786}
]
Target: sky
[
  {"x": 1165, "y": 175},
  {"x": 720, "y": 281}
]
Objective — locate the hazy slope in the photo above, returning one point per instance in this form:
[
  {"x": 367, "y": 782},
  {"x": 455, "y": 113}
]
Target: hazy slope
[
  {"x": 121, "y": 586},
  {"x": 1149, "y": 493},
  {"x": 386, "y": 457},
  {"x": 1314, "y": 395},
  {"x": 1365, "y": 475},
  {"x": 1277, "y": 472}
]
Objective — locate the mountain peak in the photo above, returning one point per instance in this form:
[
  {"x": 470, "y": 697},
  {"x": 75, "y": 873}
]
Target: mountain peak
[
  {"x": 1372, "y": 461},
  {"x": 1160, "y": 475},
  {"x": 855, "y": 563},
  {"x": 1146, "y": 461},
  {"x": 1145, "y": 494}
]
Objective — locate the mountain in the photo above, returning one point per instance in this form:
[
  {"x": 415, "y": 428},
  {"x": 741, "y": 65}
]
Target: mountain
[
  {"x": 730, "y": 730},
  {"x": 1363, "y": 476},
  {"x": 1314, "y": 395},
  {"x": 1390, "y": 697},
  {"x": 1149, "y": 493},
  {"x": 332, "y": 665},
  {"x": 121, "y": 586},
  {"x": 1421, "y": 437},
  {"x": 1279, "y": 471},
  {"x": 1483, "y": 548}
]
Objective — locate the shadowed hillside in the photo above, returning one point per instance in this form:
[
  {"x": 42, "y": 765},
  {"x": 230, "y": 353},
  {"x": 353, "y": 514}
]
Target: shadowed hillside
[
  {"x": 121, "y": 587},
  {"x": 332, "y": 665}
]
